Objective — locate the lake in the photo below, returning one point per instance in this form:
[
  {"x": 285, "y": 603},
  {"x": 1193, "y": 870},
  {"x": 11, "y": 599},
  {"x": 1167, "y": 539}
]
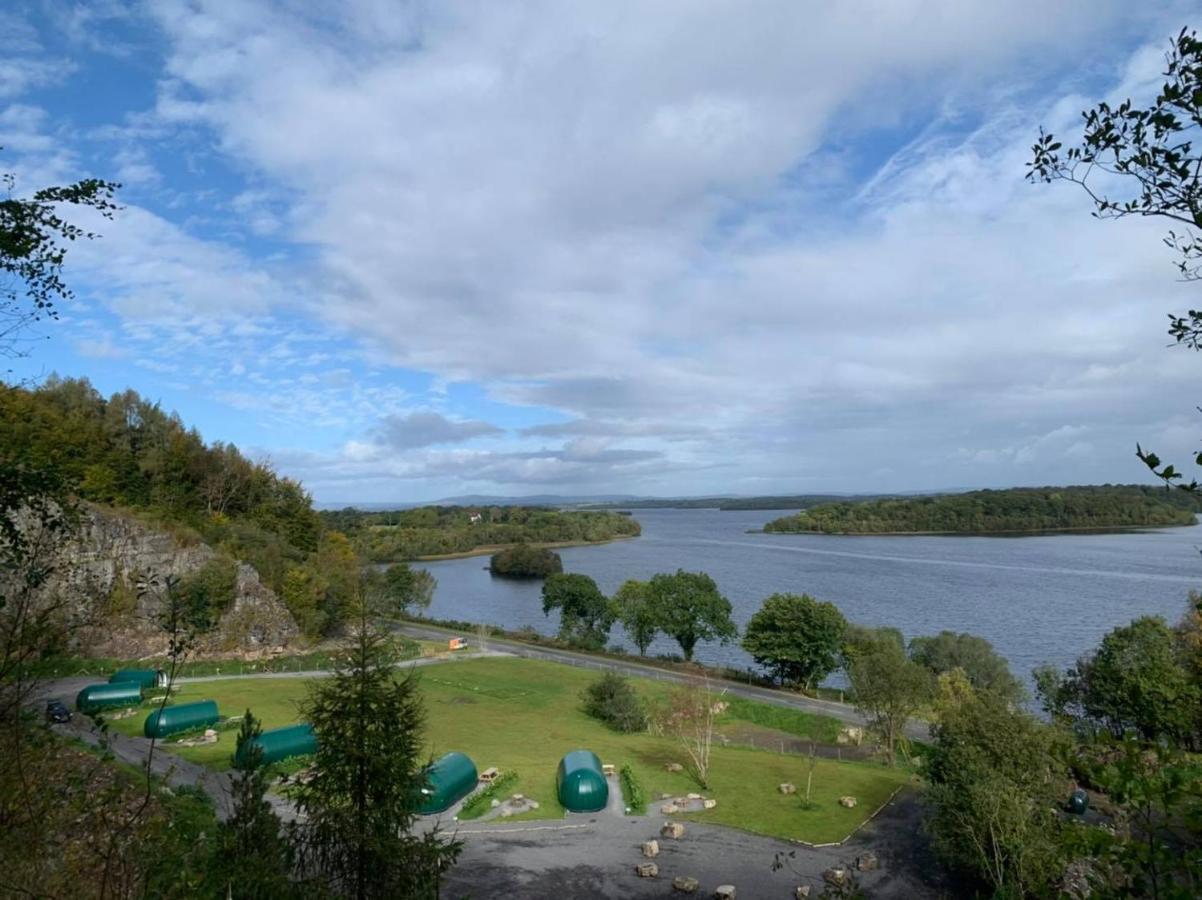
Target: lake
[{"x": 1044, "y": 598}]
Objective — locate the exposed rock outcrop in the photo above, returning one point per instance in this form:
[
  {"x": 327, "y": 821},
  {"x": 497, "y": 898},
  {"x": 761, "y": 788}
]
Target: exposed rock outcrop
[{"x": 109, "y": 575}]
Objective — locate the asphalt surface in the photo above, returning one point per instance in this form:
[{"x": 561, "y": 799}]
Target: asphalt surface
[{"x": 594, "y": 856}]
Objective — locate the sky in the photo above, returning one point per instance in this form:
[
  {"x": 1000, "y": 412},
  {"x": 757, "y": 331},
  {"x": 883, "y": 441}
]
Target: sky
[{"x": 408, "y": 250}]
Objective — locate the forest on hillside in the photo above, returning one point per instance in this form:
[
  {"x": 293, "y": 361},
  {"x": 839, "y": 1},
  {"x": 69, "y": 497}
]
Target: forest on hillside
[
  {"x": 1002, "y": 511},
  {"x": 398, "y": 535},
  {"x": 127, "y": 454}
]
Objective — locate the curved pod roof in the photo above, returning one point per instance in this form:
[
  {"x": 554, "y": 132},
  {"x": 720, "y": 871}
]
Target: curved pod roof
[
  {"x": 281, "y": 743},
  {"x": 148, "y": 678},
  {"x": 96, "y": 697},
  {"x": 449, "y": 780},
  {"x": 579, "y": 782},
  {"x": 183, "y": 717}
]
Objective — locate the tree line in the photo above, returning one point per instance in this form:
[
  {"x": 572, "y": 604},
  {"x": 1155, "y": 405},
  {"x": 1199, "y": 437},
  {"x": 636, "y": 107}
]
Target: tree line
[
  {"x": 408, "y": 534},
  {"x": 1012, "y": 510}
]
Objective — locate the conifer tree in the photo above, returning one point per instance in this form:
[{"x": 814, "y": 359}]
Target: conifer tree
[
  {"x": 254, "y": 855},
  {"x": 358, "y": 810}
]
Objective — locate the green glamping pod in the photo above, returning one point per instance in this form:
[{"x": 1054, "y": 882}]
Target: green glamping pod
[
  {"x": 181, "y": 717},
  {"x": 96, "y": 697},
  {"x": 281, "y": 743},
  {"x": 580, "y": 783},
  {"x": 148, "y": 678},
  {"x": 451, "y": 778}
]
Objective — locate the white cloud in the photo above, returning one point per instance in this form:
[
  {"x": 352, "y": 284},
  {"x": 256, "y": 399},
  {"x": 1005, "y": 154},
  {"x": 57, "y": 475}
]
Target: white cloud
[{"x": 691, "y": 227}]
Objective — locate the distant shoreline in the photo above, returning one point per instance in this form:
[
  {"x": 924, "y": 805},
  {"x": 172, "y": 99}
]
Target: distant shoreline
[
  {"x": 494, "y": 548},
  {"x": 1012, "y": 532}
]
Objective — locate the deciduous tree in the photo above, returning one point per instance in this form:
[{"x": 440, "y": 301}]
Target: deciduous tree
[
  {"x": 796, "y": 637},
  {"x": 689, "y": 608},
  {"x": 889, "y": 689},
  {"x": 585, "y": 615},
  {"x": 636, "y": 612},
  {"x": 985, "y": 669}
]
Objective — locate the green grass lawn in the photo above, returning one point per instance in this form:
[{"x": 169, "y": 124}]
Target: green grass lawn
[{"x": 524, "y": 715}]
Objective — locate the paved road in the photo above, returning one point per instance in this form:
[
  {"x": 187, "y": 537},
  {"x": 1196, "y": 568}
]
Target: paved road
[{"x": 841, "y": 711}]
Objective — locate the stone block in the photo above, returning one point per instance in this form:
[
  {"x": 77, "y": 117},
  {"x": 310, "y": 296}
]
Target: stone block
[
  {"x": 709, "y": 803},
  {"x": 787, "y": 788},
  {"x": 669, "y": 809},
  {"x": 837, "y": 876},
  {"x": 647, "y": 870},
  {"x": 802, "y": 892},
  {"x": 694, "y": 796},
  {"x": 685, "y": 884},
  {"x": 672, "y": 830},
  {"x": 724, "y": 892},
  {"x": 867, "y": 861},
  {"x": 849, "y": 802},
  {"x": 650, "y": 848},
  {"x": 674, "y": 767}
]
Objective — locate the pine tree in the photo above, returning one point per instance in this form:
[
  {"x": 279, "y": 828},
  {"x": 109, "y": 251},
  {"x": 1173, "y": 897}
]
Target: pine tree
[
  {"x": 254, "y": 854},
  {"x": 359, "y": 807}
]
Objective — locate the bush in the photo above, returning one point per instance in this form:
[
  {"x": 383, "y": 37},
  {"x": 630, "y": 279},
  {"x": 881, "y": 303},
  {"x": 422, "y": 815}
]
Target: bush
[
  {"x": 636, "y": 800},
  {"x": 612, "y": 700},
  {"x": 525, "y": 561},
  {"x": 481, "y": 802}
]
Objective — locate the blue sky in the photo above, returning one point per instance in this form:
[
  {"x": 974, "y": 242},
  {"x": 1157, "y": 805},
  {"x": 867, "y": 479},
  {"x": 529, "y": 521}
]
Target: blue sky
[{"x": 406, "y": 250}]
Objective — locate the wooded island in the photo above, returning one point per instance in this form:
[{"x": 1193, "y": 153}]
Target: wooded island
[{"x": 1011, "y": 511}]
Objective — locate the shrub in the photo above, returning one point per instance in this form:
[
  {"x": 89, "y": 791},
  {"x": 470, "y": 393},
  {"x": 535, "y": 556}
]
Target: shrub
[
  {"x": 481, "y": 802},
  {"x": 633, "y": 791},
  {"x": 612, "y": 700}
]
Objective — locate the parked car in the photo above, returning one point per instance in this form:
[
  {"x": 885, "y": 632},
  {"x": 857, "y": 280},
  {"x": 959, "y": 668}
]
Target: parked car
[{"x": 57, "y": 712}]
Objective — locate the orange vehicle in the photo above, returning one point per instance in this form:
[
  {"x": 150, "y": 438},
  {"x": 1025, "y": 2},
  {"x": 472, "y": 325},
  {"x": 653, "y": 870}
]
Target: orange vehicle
[{"x": 457, "y": 644}]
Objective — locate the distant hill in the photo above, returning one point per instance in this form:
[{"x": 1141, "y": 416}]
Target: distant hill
[{"x": 1011, "y": 511}]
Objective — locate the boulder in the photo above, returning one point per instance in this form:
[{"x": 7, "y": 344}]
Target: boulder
[
  {"x": 533, "y": 804},
  {"x": 850, "y": 734},
  {"x": 665, "y": 796},
  {"x": 724, "y": 892},
  {"x": 708, "y": 803},
  {"x": 518, "y": 798},
  {"x": 867, "y": 861},
  {"x": 837, "y": 876},
  {"x": 694, "y": 796},
  {"x": 669, "y": 809},
  {"x": 495, "y": 803},
  {"x": 650, "y": 848},
  {"x": 506, "y": 812},
  {"x": 674, "y": 767},
  {"x": 647, "y": 870},
  {"x": 685, "y": 884},
  {"x": 672, "y": 830},
  {"x": 802, "y": 892},
  {"x": 849, "y": 802},
  {"x": 787, "y": 788}
]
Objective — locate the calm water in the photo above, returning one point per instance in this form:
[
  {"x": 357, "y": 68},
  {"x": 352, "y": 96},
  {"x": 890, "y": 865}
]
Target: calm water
[{"x": 1037, "y": 599}]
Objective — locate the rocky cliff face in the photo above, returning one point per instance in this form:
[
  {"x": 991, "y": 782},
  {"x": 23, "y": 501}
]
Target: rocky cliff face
[{"x": 98, "y": 572}]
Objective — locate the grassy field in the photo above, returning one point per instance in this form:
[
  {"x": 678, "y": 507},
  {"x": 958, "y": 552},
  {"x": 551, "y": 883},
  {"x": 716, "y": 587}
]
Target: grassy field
[{"x": 524, "y": 715}]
